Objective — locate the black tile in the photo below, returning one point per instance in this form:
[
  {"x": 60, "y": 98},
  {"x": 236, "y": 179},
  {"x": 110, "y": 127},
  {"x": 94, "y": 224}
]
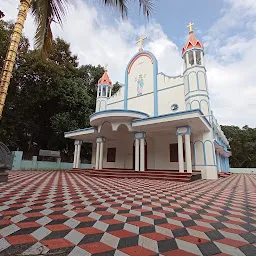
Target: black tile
[
  {"x": 113, "y": 227},
  {"x": 188, "y": 223},
  {"x": 86, "y": 224},
  {"x": 249, "y": 227},
  {"x": 147, "y": 229},
  {"x": 107, "y": 217},
  {"x": 160, "y": 221},
  {"x": 24, "y": 231},
  {"x": 218, "y": 225},
  {"x": 249, "y": 237},
  {"x": 60, "y": 252},
  {"x": 82, "y": 214},
  {"x": 180, "y": 232},
  {"x": 57, "y": 234},
  {"x": 167, "y": 245},
  {"x": 16, "y": 249},
  {"x": 171, "y": 214},
  {"x": 123, "y": 211},
  {"x": 248, "y": 250},
  {"x": 214, "y": 235},
  {"x": 109, "y": 253},
  {"x": 208, "y": 249},
  {"x": 128, "y": 242},
  {"x": 91, "y": 238},
  {"x": 221, "y": 218},
  {"x": 195, "y": 217},
  {"x": 59, "y": 221},
  {"x": 131, "y": 219}
]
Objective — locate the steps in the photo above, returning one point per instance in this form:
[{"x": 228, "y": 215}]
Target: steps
[
  {"x": 223, "y": 174},
  {"x": 149, "y": 174}
]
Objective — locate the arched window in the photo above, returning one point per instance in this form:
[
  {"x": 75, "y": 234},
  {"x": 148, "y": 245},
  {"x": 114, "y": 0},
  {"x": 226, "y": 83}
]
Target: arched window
[
  {"x": 198, "y": 58},
  {"x": 190, "y": 59}
]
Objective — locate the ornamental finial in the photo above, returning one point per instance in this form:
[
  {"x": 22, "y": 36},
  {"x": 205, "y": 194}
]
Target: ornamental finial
[
  {"x": 190, "y": 26},
  {"x": 140, "y": 41},
  {"x": 106, "y": 67}
]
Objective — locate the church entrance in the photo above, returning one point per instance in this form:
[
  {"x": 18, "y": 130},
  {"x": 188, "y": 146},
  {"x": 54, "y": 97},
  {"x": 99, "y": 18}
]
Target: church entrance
[{"x": 145, "y": 157}]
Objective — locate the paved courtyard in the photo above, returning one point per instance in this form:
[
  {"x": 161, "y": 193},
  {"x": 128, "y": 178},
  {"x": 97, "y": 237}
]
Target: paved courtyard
[{"x": 60, "y": 213}]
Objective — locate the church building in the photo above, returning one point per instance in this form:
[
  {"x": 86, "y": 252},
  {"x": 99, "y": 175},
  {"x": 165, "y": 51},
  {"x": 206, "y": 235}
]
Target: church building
[{"x": 156, "y": 121}]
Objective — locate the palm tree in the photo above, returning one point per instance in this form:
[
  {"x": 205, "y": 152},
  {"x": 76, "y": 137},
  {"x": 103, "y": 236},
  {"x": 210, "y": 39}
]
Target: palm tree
[{"x": 45, "y": 12}]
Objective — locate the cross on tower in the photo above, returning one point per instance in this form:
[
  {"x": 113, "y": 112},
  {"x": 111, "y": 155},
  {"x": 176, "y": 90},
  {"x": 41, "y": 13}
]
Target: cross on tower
[
  {"x": 140, "y": 41},
  {"x": 190, "y": 26}
]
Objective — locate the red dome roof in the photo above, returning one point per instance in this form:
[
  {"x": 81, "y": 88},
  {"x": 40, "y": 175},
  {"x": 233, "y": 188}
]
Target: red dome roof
[
  {"x": 192, "y": 42},
  {"x": 105, "y": 79}
]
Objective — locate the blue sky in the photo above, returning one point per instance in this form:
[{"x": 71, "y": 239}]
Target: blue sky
[{"x": 227, "y": 28}]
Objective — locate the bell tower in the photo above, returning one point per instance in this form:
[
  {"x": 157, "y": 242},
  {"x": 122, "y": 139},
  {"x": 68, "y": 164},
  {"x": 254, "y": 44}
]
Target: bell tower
[
  {"x": 104, "y": 92},
  {"x": 195, "y": 79}
]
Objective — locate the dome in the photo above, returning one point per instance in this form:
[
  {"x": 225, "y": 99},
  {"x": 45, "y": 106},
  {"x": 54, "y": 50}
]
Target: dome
[
  {"x": 105, "y": 79},
  {"x": 191, "y": 43}
]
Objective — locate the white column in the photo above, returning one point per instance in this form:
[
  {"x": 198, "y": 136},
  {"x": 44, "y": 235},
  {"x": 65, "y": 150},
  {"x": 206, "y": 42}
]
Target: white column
[
  {"x": 98, "y": 92},
  {"x": 75, "y": 153},
  {"x": 78, "y": 154},
  {"x": 202, "y": 59},
  {"x": 97, "y": 155},
  {"x": 188, "y": 152},
  {"x": 187, "y": 59},
  {"x": 110, "y": 92},
  {"x": 101, "y": 155},
  {"x": 142, "y": 154},
  {"x": 180, "y": 152},
  {"x": 101, "y": 91},
  {"x": 194, "y": 55},
  {"x": 137, "y": 155}
]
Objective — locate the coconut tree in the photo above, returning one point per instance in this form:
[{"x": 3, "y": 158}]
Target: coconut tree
[{"x": 45, "y": 12}]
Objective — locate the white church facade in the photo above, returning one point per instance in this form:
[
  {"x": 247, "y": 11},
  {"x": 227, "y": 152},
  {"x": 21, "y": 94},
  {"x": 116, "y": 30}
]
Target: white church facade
[{"x": 156, "y": 121}]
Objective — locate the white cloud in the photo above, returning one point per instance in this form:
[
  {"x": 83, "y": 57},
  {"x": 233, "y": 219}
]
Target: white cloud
[
  {"x": 231, "y": 64},
  {"x": 230, "y": 57}
]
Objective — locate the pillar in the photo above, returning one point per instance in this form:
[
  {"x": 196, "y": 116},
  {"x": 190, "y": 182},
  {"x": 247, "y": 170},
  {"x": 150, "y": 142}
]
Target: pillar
[
  {"x": 101, "y": 153},
  {"x": 142, "y": 154},
  {"x": 97, "y": 155},
  {"x": 188, "y": 153},
  {"x": 194, "y": 55},
  {"x": 180, "y": 153},
  {"x": 202, "y": 58},
  {"x": 78, "y": 154},
  {"x": 137, "y": 155},
  {"x": 75, "y": 153}
]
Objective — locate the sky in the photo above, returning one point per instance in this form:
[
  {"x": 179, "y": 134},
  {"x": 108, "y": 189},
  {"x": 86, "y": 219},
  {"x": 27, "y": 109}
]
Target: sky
[{"x": 227, "y": 28}]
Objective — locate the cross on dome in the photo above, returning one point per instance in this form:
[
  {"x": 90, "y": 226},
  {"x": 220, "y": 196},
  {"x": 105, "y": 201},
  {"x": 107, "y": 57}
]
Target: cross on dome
[
  {"x": 190, "y": 26},
  {"x": 140, "y": 41}
]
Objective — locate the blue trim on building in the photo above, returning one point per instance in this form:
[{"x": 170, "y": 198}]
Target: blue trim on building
[
  {"x": 155, "y": 72},
  {"x": 115, "y": 102},
  {"x": 197, "y": 95},
  {"x": 170, "y": 87},
  {"x": 118, "y": 110},
  {"x": 80, "y": 130},
  {"x": 175, "y": 114}
]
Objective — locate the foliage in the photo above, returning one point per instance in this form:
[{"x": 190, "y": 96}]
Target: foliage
[
  {"x": 243, "y": 145},
  {"x": 47, "y": 98}
]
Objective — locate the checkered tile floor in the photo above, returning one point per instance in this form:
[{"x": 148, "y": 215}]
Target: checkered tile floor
[{"x": 71, "y": 214}]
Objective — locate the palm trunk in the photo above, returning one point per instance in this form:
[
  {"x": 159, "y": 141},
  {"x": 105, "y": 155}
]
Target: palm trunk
[{"x": 12, "y": 52}]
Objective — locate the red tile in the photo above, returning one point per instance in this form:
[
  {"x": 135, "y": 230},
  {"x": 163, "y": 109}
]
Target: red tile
[
  {"x": 33, "y": 214},
  {"x": 137, "y": 251},
  {"x": 84, "y": 219},
  {"x": 28, "y": 224},
  {"x": 193, "y": 239},
  {"x": 232, "y": 230},
  {"x": 58, "y": 217},
  {"x": 21, "y": 239},
  {"x": 231, "y": 242},
  {"x": 96, "y": 247},
  {"x": 57, "y": 243},
  {"x": 112, "y": 221},
  {"x": 104, "y": 213},
  {"x": 156, "y": 236},
  {"x": 201, "y": 228},
  {"x": 177, "y": 252},
  {"x": 57, "y": 227},
  {"x": 11, "y": 213},
  {"x": 128, "y": 215},
  {"x": 122, "y": 233},
  {"x": 180, "y": 218},
  {"x": 154, "y": 217},
  {"x": 89, "y": 231},
  {"x": 169, "y": 226},
  {"x": 140, "y": 224}
]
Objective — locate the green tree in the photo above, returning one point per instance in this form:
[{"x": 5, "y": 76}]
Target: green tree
[{"x": 243, "y": 145}]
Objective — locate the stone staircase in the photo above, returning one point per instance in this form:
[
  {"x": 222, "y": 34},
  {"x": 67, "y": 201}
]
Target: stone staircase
[{"x": 171, "y": 175}]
